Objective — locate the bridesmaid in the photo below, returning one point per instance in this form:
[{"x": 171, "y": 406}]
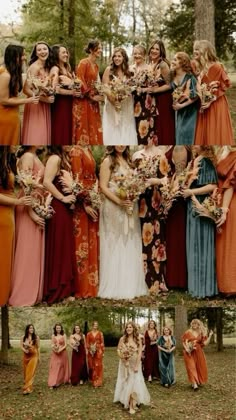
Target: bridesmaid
[
  {"x": 37, "y": 120},
  {"x": 87, "y": 127},
  {"x": 186, "y": 106},
  {"x": 166, "y": 346},
  {"x": 85, "y": 220},
  {"x": 151, "y": 352},
  {"x": 165, "y": 122},
  {"x": 10, "y": 87},
  {"x": 200, "y": 231},
  {"x": 30, "y": 345},
  {"x": 59, "y": 363},
  {"x": 8, "y": 201},
  {"x": 225, "y": 238},
  {"x": 79, "y": 372},
  {"x": 28, "y": 267},
  {"x": 95, "y": 348},
  {"x": 214, "y": 124},
  {"x": 60, "y": 265},
  {"x": 194, "y": 339}
]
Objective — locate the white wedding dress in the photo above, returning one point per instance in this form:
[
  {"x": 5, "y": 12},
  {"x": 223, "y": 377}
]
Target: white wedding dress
[
  {"x": 121, "y": 265},
  {"x": 119, "y": 126}
]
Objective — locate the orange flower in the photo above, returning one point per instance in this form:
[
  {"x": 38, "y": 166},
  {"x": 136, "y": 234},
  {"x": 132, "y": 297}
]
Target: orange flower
[
  {"x": 159, "y": 253},
  {"x": 137, "y": 109},
  {"x": 164, "y": 166},
  {"x": 147, "y": 233},
  {"x": 143, "y": 128},
  {"x": 142, "y": 208},
  {"x": 93, "y": 278}
]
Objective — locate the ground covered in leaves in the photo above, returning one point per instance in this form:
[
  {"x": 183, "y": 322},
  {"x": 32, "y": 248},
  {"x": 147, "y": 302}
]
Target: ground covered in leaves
[{"x": 214, "y": 401}]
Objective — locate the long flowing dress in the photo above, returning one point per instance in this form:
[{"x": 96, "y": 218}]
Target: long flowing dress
[
  {"x": 30, "y": 363},
  {"x": 129, "y": 383},
  {"x": 119, "y": 126},
  {"x": 150, "y": 364},
  {"x": 85, "y": 229},
  {"x": 79, "y": 370},
  {"x": 166, "y": 361},
  {"x": 60, "y": 264},
  {"x": 214, "y": 125},
  {"x": 59, "y": 372},
  {"x": 200, "y": 239},
  {"x": 87, "y": 127},
  {"x": 7, "y": 235},
  {"x": 28, "y": 268},
  {"x": 121, "y": 269},
  {"x": 9, "y": 122},
  {"x": 36, "y": 128},
  {"x": 185, "y": 118},
  {"x": 61, "y": 120},
  {"x": 95, "y": 346},
  {"x": 195, "y": 362},
  {"x": 225, "y": 239},
  {"x": 145, "y": 113}
]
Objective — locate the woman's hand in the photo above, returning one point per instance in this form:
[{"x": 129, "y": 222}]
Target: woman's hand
[
  {"x": 97, "y": 98},
  {"x": 91, "y": 212},
  {"x": 186, "y": 193},
  {"x": 37, "y": 219},
  {"x": 26, "y": 200},
  {"x": 47, "y": 99},
  {"x": 33, "y": 100},
  {"x": 177, "y": 106},
  {"x": 68, "y": 199},
  {"x": 223, "y": 217}
]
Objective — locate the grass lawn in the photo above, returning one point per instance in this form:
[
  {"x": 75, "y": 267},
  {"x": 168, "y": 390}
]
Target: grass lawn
[{"x": 213, "y": 401}]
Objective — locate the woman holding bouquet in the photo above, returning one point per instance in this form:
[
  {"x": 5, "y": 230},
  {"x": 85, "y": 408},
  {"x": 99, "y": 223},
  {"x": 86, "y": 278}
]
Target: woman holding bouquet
[
  {"x": 79, "y": 372},
  {"x": 60, "y": 264},
  {"x": 10, "y": 86},
  {"x": 200, "y": 231},
  {"x": 37, "y": 120},
  {"x": 28, "y": 267},
  {"x": 166, "y": 346},
  {"x": 194, "y": 339},
  {"x": 130, "y": 389},
  {"x": 118, "y": 114},
  {"x": 95, "y": 348},
  {"x": 30, "y": 345},
  {"x": 87, "y": 127},
  {"x": 150, "y": 364},
  {"x": 85, "y": 220},
  {"x": 8, "y": 201},
  {"x": 185, "y": 96},
  {"x": 59, "y": 363},
  {"x": 214, "y": 124},
  {"x": 121, "y": 270}
]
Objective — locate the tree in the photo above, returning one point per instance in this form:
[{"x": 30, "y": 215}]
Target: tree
[
  {"x": 204, "y": 11},
  {"x": 180, "y": 324},
  {"x": 5, "y": 334}
]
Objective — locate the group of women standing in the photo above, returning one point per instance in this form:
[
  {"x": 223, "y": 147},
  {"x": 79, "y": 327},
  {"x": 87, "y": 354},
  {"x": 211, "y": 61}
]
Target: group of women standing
[{"x": 182, "y": 102}]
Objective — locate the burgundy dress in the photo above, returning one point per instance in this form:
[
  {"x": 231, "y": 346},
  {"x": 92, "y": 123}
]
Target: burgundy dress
[
  {"x": 165, "y": 122},
  {"x": 151, "y": 361},
  {"x": 60, "y": 265},
  {"x": 79, "y": 371},
  {"x": 61, "y": 120}
]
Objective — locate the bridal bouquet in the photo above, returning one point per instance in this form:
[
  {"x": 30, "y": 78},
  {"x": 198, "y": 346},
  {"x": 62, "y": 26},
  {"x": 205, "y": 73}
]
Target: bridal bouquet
[
  {"x": 40, "y": 86},
  {"x": 117, "y": 90},
  {"x": 125, "y": 352},
  {"x": 129, "y": 187},
  {"x": 42, "y": 204},
  {"x": 190, "y": 346},
  {"x": 209, "y": 207},
  {"x": 28, "y": 180},
  {"x": 93, "y": 349},
  {"x": 206, "y": 92}
]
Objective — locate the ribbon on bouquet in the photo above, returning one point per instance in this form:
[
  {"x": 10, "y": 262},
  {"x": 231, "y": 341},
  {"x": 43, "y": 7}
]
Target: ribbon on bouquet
[{"x": 128, "y": 222}]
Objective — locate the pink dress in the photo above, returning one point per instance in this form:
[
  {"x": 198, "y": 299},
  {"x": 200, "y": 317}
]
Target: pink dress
[
  {"x": 28, "y": 267},
  {"x": 37, "y": 124},
  {"x": 59, "y": 372}
]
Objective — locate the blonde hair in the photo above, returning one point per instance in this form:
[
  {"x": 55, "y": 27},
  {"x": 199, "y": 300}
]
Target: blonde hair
[
  {"x": 201, "y": 327},
  {"x": 207, "y": 53}
]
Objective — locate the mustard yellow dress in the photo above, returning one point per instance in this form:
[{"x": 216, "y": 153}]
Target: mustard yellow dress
[{"x": 9, "y": 122}]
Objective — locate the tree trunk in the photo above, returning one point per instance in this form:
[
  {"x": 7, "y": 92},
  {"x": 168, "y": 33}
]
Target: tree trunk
[
  {"x": 205, "y": 20},
  {"x": 181, "y": 324},
  {"x": 71, "y": 31},
  {"x": 219, "y": 328},
  {"x": 61, "y": 21},
  {"x": 134, "y": 22},
  {"x": 5, "y": 334}
]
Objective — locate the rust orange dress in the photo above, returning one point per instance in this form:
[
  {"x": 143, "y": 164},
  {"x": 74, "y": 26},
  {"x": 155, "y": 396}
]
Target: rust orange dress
[
  {"x": 225, "y": 240},
  {"x": 95, "y": 346},
  {"x": 30, "y": 363},
  {"x": 7, "y": 232},
  {"x": 195, "y": 362},
  {"x": 87, "y": 126},
  {"x": 85, "y": 229},
  {"x": 214, "y": 125},
  {"x": 9, "y": 122}
]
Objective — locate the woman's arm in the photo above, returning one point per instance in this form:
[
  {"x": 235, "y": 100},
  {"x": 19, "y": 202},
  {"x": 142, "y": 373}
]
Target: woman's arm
[
  {"x": 206, "y": 189},
  {"x": 12, "y": 201},
  {"x": 52, "y": 169},
  {"x": 22, "y": 346},
  {"x": 5, "y": 98},
  {"x": 207, "y": 341},
  {"x": 65, "y": 345},
  {"x": 105, "y": 174},
  {"x": 227, "y": 197},
  {"x": 139, "y": 356}
]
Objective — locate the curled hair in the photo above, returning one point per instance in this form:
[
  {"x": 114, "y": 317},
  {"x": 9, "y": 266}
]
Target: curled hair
[
  {"x": 73, "y": 332},
  {"x": 112, "y": 153},
  {"x": 55, "y": 59},
  {"x": 161, "y": 45},
  {"x": 166, "y": 328},
  {"x": 54, "y": 329},
  {"x": 13, "y": 63},
  {"x": 33, "y": 57},
  {"x": 184, "y": 61},
  {"x": 26, "y": 335},
  {"x": 135, "y": 333},
  {"x": 208, "y": 152},
  {"x": 200, "y": 326},
  {"x": 7, "y": 165},
  {"x": 207, "y": 53},
  {"x": 63, "y": 155},
  {"x": 155, "y": 325},
  {"x": 124, "y": 65},
  {"x": 141, "y": 48},
  {"x": 92, "y": 46}
]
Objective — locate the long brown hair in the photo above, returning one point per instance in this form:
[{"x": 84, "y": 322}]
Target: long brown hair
[
  {"x": 135, "y": 333},
  {"x": 112, "y": 153},
  {"x": 63, "y": 155},
  {"x": 124, "y": 65}
]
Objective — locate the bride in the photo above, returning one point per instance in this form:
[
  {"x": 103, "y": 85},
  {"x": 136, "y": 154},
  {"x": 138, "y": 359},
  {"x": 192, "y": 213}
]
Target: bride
[
  {"x": 130, "y": 386},
  {"x": 121, "y": 269},
  {"x": 118, "y": 117}
]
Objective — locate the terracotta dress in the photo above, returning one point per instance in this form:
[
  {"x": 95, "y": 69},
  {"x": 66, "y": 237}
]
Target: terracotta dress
[
  {"x": 85, "y": 230},
  {"x": 79, "y": 371},
  {"x": 87, "y": 126},
  {"x": 95, "y": 346},
  {"x": 7, "y": 234},
  {"x": 9, "y": 122},
  {"x": 59, "y": 372},
  {"x": 214, "y": 125},
  {"x": 195, "y": 362},
  {"x": 28, "y": 268},
  {"x": 225, "y": 239},
  {"x": 30, "y": 363},
  {"x": 151, "y": 362},
  {"x": 60, "y": 265}
]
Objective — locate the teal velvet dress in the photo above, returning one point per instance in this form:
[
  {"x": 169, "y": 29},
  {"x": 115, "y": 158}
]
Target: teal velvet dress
[
  {"x": 166, "y": 362},
  {"x": 186, "y": 118},
  {"x": 200, "y": 239}
]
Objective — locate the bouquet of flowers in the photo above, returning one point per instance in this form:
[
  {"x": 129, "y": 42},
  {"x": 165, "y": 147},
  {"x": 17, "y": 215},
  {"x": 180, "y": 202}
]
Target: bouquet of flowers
[
  {"x": 55, "y": 347},
  {"x": 93, "y": 197},
  {"x": 206, "y": 92},
  {"x": 71, "y": 184},
  {"x": 181, "y": 93},
  {"x": 143, "y": 78},
  {"x": 117, "y": 90},
  {"x": 27, "y": 346},
  {"x": 125, "y": 352},
  {"x": 169, "y": 193},
  {"x": 168, "y": 344},
  {"x": 148, "y": 166},
  {"x": 76, "y": 344},
  {"x": 28, "y": 180},
  {"x": 190, "y": 346},
  {"x": 42, "y": 204},
  {"x": 209, "y": 207},
  {"x": 129, "y": 187},
  {"x": 93, "y": 349},
  {"x": 185, "y": 178},
  {"x": 40, "y": 86}
]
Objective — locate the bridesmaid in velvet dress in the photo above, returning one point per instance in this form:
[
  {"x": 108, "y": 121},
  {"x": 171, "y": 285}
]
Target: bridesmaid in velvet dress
[
  {"x": 28, "y": 267},
  {"x": 59, "y": 372},
  {"x": 60, "y": 266},
  {"x": 151, "y": 362},
  {"x": 85, "y": 219},
  {"x": 79, "y": 371}
]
